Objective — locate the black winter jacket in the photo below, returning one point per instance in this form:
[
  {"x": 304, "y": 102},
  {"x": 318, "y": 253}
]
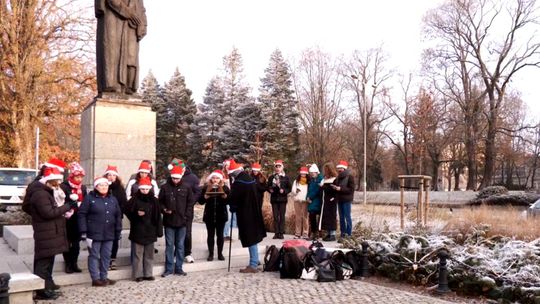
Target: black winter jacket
[
  {"x": 346, "y": 181},
  {"x": 144, "y": 229},
  {"x": 282, "y": 182},
  {"x": 215, "y": 209},
  {"x": 179, "y": 199}
]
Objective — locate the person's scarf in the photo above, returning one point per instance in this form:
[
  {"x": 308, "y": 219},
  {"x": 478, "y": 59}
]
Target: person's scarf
[{"x": 76, "y": 187}]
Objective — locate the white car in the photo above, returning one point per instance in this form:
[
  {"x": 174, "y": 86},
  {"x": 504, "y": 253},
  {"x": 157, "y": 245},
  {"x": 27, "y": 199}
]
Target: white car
[
  {"x": 13, "y": 183},
  {"x": 534, "y": 210}
]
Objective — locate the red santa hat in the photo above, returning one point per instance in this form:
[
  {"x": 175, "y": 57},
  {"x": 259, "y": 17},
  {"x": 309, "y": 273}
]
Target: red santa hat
[
  {"x": 145, "y": 183},
  {"x": 177, "y": 172},
  {"x": 303, "y": 170},
  {"x": 100, "y": 180},
  {"x": 217, "y": 173},
  {"x": 234, "y": 166},
  {"x": 256, "y": 167},
  {"x": 51, "y": 173},
  {"x": 55, "y": 163},
  {"x": 113, "y": 170},
  {"x": 278, "y": 162},
  {"x": 145, "y": 167},
  {"x": 342, "y": 164},
  {"x": 75, "y": 169},
  {"x": 176, "y": 162}
]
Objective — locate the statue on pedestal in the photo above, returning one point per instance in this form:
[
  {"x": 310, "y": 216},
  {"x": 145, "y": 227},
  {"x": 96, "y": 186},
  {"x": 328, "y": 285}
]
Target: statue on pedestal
[{"x": 121, "y": 25}]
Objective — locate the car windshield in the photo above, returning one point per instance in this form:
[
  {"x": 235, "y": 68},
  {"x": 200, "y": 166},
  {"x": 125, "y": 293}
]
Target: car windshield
[{"x": 16, "y": 177}]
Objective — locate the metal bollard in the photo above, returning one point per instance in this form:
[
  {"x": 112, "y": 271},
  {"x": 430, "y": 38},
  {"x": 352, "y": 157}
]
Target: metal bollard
[
  {"x": 443, "y": 273},
  {"x": 4, "y": 288},
  {"x": 364, "y": 263}
]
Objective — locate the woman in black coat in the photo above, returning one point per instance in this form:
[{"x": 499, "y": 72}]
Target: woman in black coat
[
  {"x": 146, "y": 225},
  {"x": 75, "y": 193},
  {"x": 116, "y": 188},
  {"x": 329, "y": 202},
  {"x": 214, "y": 197},
  {"x": 49, "y": 225}
]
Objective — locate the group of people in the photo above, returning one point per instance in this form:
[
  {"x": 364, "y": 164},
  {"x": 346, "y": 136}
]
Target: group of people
[{"x": 64, "y": 214}]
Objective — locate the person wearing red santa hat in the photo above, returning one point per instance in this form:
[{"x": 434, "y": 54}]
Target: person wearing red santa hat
[
  {"x": 261, "y": 182},
  {"x": 116, "y": 188},
  {"x": 176, "y": 201},
  {"x": 214, "y": 197},
  {"x": 244, "y": 203},
  {"x": 49, "y": 228},
  {"x": 51, "y": 163},
  {"x": 100, "y": 223},
  {"x": 344, "y": 185},
  {"x": 75, "y": 192},
  {"x": 279, "y": 186},
  {"x": 146, "y": 227},
  {"x": 231, "y": 216},
  {"x": 299, "y": 193},
  {"x": 145, "y": 170}
]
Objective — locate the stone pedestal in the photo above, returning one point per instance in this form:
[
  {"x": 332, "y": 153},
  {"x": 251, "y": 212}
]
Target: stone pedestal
[{"x": 117, "y": 132}]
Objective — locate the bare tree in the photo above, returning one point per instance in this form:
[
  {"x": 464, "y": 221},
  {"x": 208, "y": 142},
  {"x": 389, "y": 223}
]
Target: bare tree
[
  {"x": 318, "y": 88},
  {"x": 366, "y": 74},
  {"x": 491, "y": 38}
]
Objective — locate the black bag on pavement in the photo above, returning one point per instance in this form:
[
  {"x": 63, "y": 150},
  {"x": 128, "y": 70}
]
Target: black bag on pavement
[
  {"x": 272, "y": 259},
  {"x": 343, "y": 270},
  {"x": 326, "y": 271},
  {"x": 291, "y": 265},
  {"x": 353, "y": 259}
]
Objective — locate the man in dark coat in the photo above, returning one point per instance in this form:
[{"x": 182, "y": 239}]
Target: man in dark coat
[
  {"x": 279, "y": 186},
  {"x": 243, "y": 202},
  {"x": 175, "y": 201},
  {"x": 191, "y": 181},
  {"x": 344, "y": 186},
  {"x": 50, "y": 237}
]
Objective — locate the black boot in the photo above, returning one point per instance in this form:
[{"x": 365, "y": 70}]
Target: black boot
[
  {"x": 75, "y": 267},
  {"x": 69, "y": 268},
  {"x": 46, "y": 294},
  {"x": 210, "y": 256},
  {"x": 220, "y": 256}
]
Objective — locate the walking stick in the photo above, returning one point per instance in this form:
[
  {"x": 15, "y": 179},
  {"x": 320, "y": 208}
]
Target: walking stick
[{"x": 230, "y": 243}]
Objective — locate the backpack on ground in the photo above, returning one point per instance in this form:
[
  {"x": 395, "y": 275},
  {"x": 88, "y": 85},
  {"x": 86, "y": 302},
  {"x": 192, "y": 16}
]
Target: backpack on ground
[
  {"x": 291, "y": 265},
  {"x": 353, "y": 259},
  {"x": 272, "y": 259},
  {"x": 343, "y": 270}
]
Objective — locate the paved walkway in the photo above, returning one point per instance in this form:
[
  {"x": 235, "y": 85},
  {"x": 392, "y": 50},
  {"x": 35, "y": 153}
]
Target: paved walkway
[{"x": 237, "y": 288}]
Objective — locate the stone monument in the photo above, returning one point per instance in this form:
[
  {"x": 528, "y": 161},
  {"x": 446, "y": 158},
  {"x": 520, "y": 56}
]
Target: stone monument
[{"x": 116, "y": 127}]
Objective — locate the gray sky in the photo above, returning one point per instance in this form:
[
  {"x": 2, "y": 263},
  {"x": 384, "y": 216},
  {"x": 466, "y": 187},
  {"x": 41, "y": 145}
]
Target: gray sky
[{"x": 195, "y": 35}]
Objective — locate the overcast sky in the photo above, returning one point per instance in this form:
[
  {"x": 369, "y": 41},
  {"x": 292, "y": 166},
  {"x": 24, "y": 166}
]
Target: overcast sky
[{"x": 195, "y": 35}]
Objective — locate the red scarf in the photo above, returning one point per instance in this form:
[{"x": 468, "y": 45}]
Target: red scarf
[{"x": 76, "y": 187}]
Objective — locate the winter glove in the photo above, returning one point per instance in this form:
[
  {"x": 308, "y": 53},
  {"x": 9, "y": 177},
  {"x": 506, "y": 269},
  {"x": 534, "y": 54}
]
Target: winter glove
[
  {"x": 74, "y": 197},
  {"x": 89, "y": 242}
]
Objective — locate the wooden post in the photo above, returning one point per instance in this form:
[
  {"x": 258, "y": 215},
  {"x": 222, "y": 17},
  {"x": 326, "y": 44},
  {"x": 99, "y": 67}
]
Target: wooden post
[
  {"x": 426, "y": 203},
  {"x": 401, "y": 188},
  {"x": 420, "y": 201}
]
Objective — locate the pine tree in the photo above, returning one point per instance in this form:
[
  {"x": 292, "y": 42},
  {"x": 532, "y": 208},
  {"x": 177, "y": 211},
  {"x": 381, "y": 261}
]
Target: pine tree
[
  {"x": 204, "y": 130},
  {"x": 173, "y": 122},
  {"x": 240, "y": 113},
  {"x": 279, "y": 112}
]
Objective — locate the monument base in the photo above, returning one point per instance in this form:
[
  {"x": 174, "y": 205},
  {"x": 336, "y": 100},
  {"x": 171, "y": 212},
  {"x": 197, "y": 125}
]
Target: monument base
[{"x": 119, "y": 132}]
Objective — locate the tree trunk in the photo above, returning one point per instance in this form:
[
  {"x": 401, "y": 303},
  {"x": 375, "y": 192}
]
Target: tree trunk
[{"x": 490, "y": 152}]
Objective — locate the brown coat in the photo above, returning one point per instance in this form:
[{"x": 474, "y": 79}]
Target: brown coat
[{"x": 50, "y": 236}]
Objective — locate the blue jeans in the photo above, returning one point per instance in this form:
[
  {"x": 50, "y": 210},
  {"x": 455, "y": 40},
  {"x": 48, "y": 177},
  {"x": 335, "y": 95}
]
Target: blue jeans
[
  {"x": 345, "y": 220},
  {"x": 174, "y": 247},
  {"x": 232, "y": 217},
  {"x": 253, "y": 256},
  {"x": 99, "y": 258}
]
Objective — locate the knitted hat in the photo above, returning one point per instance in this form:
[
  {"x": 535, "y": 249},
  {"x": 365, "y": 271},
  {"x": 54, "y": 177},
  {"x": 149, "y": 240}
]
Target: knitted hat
[
  {"x": 234, "y": 166},
  {"x": 217, "y": 173},
  {"x": 256, "y": 167},
  {"x": 278, "y": 162},
  {"x": 145, "y": 183},
  {"x": 314, "y": 169},
  {"x": 111, "y": 170},
  {"x": 55, "y": 163},
  {"x": 75, "y": 169},
  {"x": 303, "y": 170},
  {"x": 176, "y": 162},
  {"x": 177, "y": 172},
  {"x": 51, "y": 173},
  {"x": 100, "y": 180},
  {"x": 145, "y": 167},
  {"x": 342, "y": 164}
]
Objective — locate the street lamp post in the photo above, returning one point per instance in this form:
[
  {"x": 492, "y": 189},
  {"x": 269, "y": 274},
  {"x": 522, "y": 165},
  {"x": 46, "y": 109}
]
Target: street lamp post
[{"x": 364, "y": 118}]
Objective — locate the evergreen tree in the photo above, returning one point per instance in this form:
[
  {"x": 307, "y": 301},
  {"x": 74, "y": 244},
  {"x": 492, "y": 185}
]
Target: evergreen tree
[
  {"x": 203, "y": 138},
  {"x": 151, "y": 91},
  {"x": 279, "y": 112},
  {"x": 240, "y": 120},
  {"x": 173, "y": 122}
]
